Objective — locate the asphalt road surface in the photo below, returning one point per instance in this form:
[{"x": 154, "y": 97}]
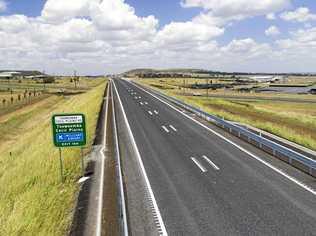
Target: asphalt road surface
[{"x": 205, "y": 185}]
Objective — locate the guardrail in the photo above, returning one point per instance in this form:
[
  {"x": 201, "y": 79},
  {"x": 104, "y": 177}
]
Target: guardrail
[
  {"x": 120, "y": 183},
  {"x": 292, "y": 157}
]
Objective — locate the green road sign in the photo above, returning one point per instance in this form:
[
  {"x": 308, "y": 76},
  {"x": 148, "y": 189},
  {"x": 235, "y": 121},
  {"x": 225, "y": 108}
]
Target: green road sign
[{"x": 69, "y": 130}]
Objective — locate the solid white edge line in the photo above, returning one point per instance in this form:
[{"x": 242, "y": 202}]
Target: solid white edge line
[
  {"x": 165, "y": 128},
  {"x": 120, "y": 171},
  {"x": 101, "y": 187},
  {"x": 172, "y": 127},
  {"x": 198, "y": 164},
  {"x": 309, "y": 189},
  {"x": 210, "y": 162},
  {"x": 154, "y": 202}
]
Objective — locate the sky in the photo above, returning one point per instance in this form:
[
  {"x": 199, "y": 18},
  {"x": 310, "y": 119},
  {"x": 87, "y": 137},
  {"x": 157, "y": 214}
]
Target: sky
[{"x": 112, "y": 36}]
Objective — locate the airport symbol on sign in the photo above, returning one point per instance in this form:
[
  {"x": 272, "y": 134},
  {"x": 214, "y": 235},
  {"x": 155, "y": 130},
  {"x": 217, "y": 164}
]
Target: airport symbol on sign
[{"x": 69, "y": 130}]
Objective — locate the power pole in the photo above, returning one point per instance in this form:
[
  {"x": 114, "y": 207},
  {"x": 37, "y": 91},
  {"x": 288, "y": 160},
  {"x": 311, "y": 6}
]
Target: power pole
[
  {"x": 44, "y": 85},
  {"x": 75, "y": 78},
  {"x": 207, "y": 87}
]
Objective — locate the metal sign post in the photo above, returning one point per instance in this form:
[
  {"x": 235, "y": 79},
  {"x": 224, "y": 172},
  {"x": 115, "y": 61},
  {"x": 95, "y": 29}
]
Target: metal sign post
[
  {"x": 69, "y": 130},
  {"x": 61, "y": 166},
  {"x": 82, "y": 161}
]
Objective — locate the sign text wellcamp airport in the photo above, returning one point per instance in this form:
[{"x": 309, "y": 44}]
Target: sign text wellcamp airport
[{"x": 69, "y": 130}]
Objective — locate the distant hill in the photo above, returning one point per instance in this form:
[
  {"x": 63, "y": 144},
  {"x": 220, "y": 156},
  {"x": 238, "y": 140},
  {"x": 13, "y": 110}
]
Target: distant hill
[
  {"x": 140, "y": 71},
  {"x": 176, "y": 70}
]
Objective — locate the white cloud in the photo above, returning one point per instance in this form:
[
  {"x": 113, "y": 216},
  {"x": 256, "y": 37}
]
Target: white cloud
[
  {"x": 271, "y": 16},
  {"x": 94, "y": 37},
  {"x": 13, "y": 23},
  {"x": 246, "y": 47},
  {"x": 66, "y": 30},
  {"x": 60, "y": 10},
  {"x": 272, "y": 31},
  {"x": 305, "y": 35},
  {"x": 116, "y": 15},
  {"x": 182, "y": 32},
  {"x": 301, "y": 14},
  {"x": 238, "y": 8},
  {"x": 225, "y": 12},
  {"x": 3, "y": 6}
]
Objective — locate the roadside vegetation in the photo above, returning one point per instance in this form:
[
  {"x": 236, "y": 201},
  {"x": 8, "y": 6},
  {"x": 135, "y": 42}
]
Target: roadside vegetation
[
  {"x": 16, "y": 94},
  {"x": 295, "y": 121},
  {"x": 33, "y": 201}
]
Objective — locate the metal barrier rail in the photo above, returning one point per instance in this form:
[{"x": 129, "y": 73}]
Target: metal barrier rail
[
  {"x": 261, "y": 142},
  {"x": 121, "y": 193}
]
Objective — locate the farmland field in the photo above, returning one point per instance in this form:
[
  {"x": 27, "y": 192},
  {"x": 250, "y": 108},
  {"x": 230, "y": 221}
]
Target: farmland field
[
  {"x": 292, "y": 117},
  {"x": 33, "y": 201}
]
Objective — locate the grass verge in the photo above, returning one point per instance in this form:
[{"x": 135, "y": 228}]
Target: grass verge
[{"x": 33, "y": 201}]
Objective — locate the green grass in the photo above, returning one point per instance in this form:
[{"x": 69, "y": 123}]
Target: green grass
[
  {"x": 61, "y": 86},
  {"x": 293, "y": 121},
  {"x": 299, "y": 128},
  {"x": 60, "y": 83},
  {"x": 33, "y": 201}
]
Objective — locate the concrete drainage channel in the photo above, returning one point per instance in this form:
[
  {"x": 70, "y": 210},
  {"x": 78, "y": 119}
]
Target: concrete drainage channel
[
  {"x": 305, "y": 163},
  {"x": 101, "y": 206}
]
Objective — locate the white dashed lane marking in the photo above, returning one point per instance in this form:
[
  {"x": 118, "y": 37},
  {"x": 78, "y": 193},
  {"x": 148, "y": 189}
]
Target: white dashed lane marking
[
  {"x": 173, "y": 128},
  {"x": 198, "y": 164},
  {"x": 165, "y": 129}
]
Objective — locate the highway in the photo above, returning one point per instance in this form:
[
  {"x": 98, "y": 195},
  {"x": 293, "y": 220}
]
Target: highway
[{"x": 203, "y": 184}]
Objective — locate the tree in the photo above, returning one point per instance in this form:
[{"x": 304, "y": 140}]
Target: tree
[{"x": 49, "y": 80}]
